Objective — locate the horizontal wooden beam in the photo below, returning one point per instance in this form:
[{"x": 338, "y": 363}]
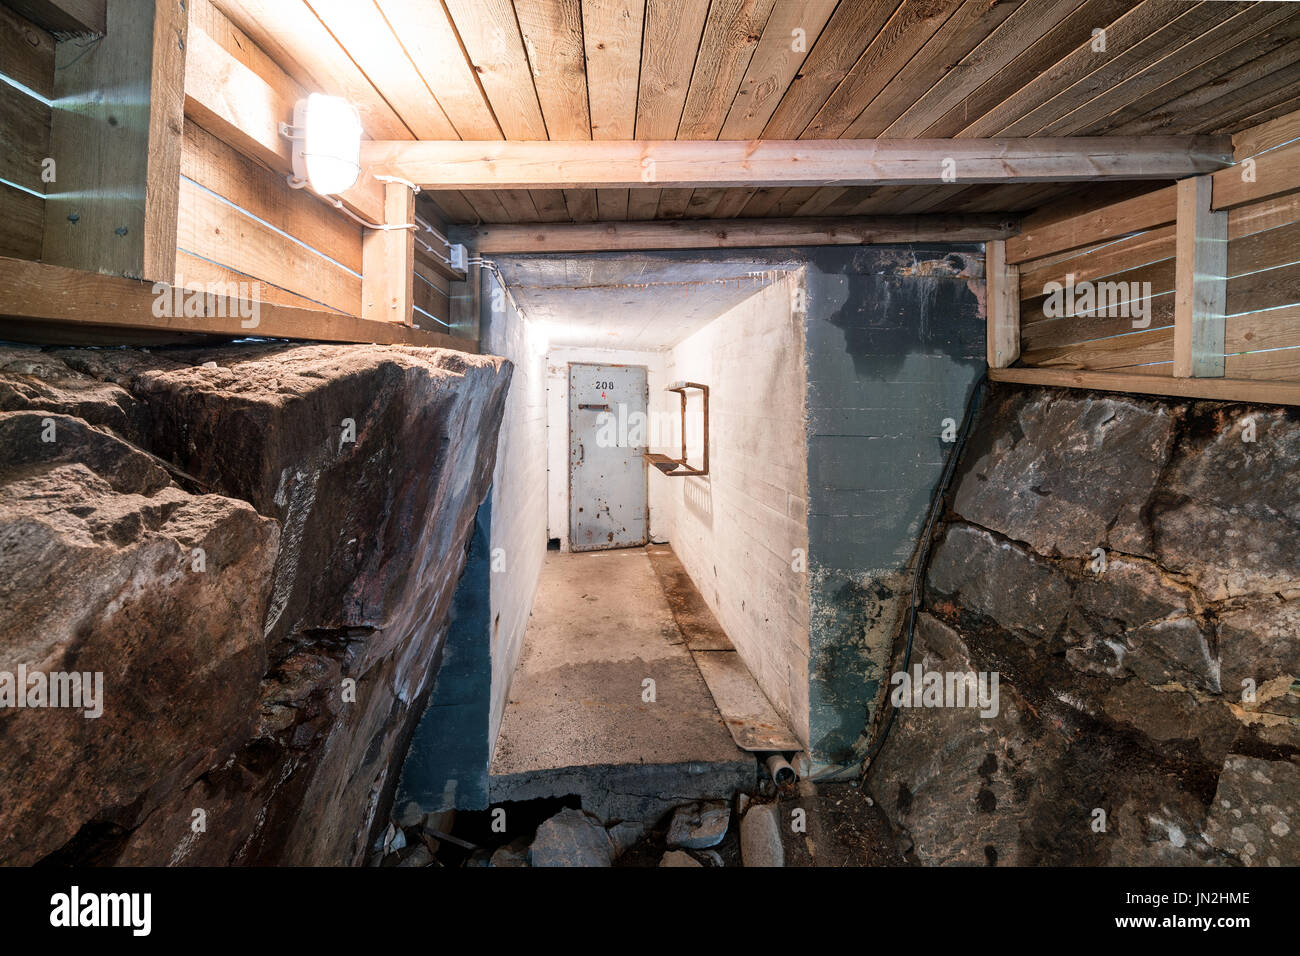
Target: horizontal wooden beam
[
  {"x": 1220, "y": 389},
  {"x": 64, "y": 16},
  {"x": 1257, "y": 178},
  {"x": 1048, "y": 232},
  {"x": 733, "y": 233},
  {"x": 73, "y": 299},
  {"x": 750, "y": 163}
]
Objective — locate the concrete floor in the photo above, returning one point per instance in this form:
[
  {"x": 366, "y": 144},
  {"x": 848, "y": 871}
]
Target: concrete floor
[{"x": 576, "y": 721}]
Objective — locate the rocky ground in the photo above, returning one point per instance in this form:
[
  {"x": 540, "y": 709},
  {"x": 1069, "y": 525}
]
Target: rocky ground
[
  {"x": 833, "y": 824},
  {"x": 1131, "y": 570}
]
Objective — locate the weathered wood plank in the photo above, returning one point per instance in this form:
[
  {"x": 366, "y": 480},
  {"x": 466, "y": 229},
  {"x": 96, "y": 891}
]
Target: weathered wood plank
[
  {"x": 1201, "y": 281},
  {"x": 731, "y": 233},
  {"x": 268, "y": 196},
  {"x": 113, "y": 208},
  {"x": 552, "y": 35},
  {"x": 974, "y": 21},
  {"x": 897, "y": 43},
  {"x": 1256, "y": 178},
  {"x": 388, "y": 261},
  {"x": 775, "y": 63},
  {"x": 490, "y": 33},
  {"x": 215, "y": 230},
  {"x": 1045, "y": 233},
  {"x": 23, "y": 216},
  {"x": 24, "y": 138},
  {"x": 1270, "y": 135},
  {"x": 26, "y": 53},
  {"x": 1002, "y": 306},
  {"x": 611, "y": 33},
  {"x": 1221, "y": 389},
  {"x": 369, "y": 41},
  {"x": 426, "y": 33},
  {"x": 73, "y": 298},
  {"x": 683, "y": 164}
]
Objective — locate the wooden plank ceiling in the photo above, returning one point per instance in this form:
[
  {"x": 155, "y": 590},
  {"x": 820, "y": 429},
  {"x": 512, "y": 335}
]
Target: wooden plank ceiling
[{"x": 783, "y": 69}]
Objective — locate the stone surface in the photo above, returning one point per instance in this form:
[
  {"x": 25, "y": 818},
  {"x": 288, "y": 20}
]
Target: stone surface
[
  {"x": 697, "y": 826},
  {"x": 1228, "y": 513},
  {"x": 624, "y": 835},
  {"x": 513, "y": 854},
  {"x": 1256, "y": 811},
  {"x": 971, "y": 565},
  {"x": 1129, "y": 693},
  {"x": 571, "y": 838},
  {"x": 1064, "y": 472},
  {"x": 679, "y": 858},
  {"x": 326, "y": 561},
  {"x": 760, "y": 836}
]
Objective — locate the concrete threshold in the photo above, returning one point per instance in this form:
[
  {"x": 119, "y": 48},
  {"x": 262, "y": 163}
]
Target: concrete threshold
[{"x": 607, "y": 702}]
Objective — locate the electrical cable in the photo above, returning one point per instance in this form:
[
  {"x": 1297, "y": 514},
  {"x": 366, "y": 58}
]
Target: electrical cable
[{"x": 923, "y": 553}]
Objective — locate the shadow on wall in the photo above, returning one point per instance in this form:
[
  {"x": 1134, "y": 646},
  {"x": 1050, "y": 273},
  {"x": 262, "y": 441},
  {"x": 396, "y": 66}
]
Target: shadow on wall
[{"x": 697, "y": 495}]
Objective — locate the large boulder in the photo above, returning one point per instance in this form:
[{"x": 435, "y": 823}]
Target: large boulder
[
  {"x": 305, "y": 648},
  {"x": 153, "y": 595}
]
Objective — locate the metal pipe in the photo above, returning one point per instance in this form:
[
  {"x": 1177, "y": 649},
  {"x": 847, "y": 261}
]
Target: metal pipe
[{"x": 783, "y": 774}]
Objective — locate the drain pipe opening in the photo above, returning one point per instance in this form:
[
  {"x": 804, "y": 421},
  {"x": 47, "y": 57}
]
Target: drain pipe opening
[{"x": 783, "y": 774}]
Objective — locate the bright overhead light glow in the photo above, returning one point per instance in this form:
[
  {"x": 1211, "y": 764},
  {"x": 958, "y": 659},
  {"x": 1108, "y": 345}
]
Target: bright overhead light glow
[{"x": 327, "y": 143}]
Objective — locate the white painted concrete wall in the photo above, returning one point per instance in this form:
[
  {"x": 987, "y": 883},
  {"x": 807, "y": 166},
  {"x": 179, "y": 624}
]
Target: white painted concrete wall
[
  {"x": 737, "y": 530},
  {"x": 518, "y": 491},
  {"x": 557, "y": 423}
]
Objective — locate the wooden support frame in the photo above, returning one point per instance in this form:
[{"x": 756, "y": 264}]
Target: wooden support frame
[
  {"x": 1200, "y": 289},
  {"x": 388, "y": 260},
  {"x": 116, "y": 143},
  {"x": 732, "y": 233},
  {"x": 1219, "y": 389},
  {"x": 1002, "y": 306},
  {"x": 457, "y": 165},
  {"x": 84, "y": 306}
]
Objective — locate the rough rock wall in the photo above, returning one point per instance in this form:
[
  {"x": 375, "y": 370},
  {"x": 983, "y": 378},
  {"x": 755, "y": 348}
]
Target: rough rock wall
[
  {"x": 269, "y": 680},
  {"x": 1123, "y": 689}
]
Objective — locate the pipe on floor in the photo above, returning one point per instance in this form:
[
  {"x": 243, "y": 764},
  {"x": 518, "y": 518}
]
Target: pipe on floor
[{"x": 783, "y": 774}]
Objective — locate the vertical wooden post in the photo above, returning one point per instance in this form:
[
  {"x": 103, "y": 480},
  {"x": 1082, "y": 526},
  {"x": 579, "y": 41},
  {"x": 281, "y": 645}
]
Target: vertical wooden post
[
  {"x": 115, "y": 138},
  {"x": 388, "y": 261},
  {"x": 1200, "y": 282},
  {"x": 1002, "y": 305}
]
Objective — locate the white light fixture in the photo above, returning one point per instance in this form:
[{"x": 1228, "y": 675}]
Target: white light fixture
[{"x": 326, "y": 136}]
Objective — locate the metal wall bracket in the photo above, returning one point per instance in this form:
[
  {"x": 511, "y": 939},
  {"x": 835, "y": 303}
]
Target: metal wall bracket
[{"x": 678, "y": 467}]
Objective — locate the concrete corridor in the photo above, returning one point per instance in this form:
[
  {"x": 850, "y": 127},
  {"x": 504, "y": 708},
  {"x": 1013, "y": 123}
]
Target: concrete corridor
[{"x": 580, "y": 716}]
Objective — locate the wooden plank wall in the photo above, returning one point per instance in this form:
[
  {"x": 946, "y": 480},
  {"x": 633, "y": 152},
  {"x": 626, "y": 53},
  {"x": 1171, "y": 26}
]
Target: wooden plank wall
[
  {"x": 240, "y": 220},
  {"x": 26, "y": 57},
  {"x": 1135, "y": 241},
  {"x": 1129, "y": 243},
  {"x": 1262, "y": 328}
]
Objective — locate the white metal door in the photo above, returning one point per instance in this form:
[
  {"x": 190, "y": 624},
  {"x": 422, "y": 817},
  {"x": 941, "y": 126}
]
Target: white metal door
[{"x": 607, "y": 438}]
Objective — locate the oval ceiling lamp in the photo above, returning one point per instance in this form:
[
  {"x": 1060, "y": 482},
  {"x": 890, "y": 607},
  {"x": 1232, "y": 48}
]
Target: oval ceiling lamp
[{"x": 326, "y": 136}]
